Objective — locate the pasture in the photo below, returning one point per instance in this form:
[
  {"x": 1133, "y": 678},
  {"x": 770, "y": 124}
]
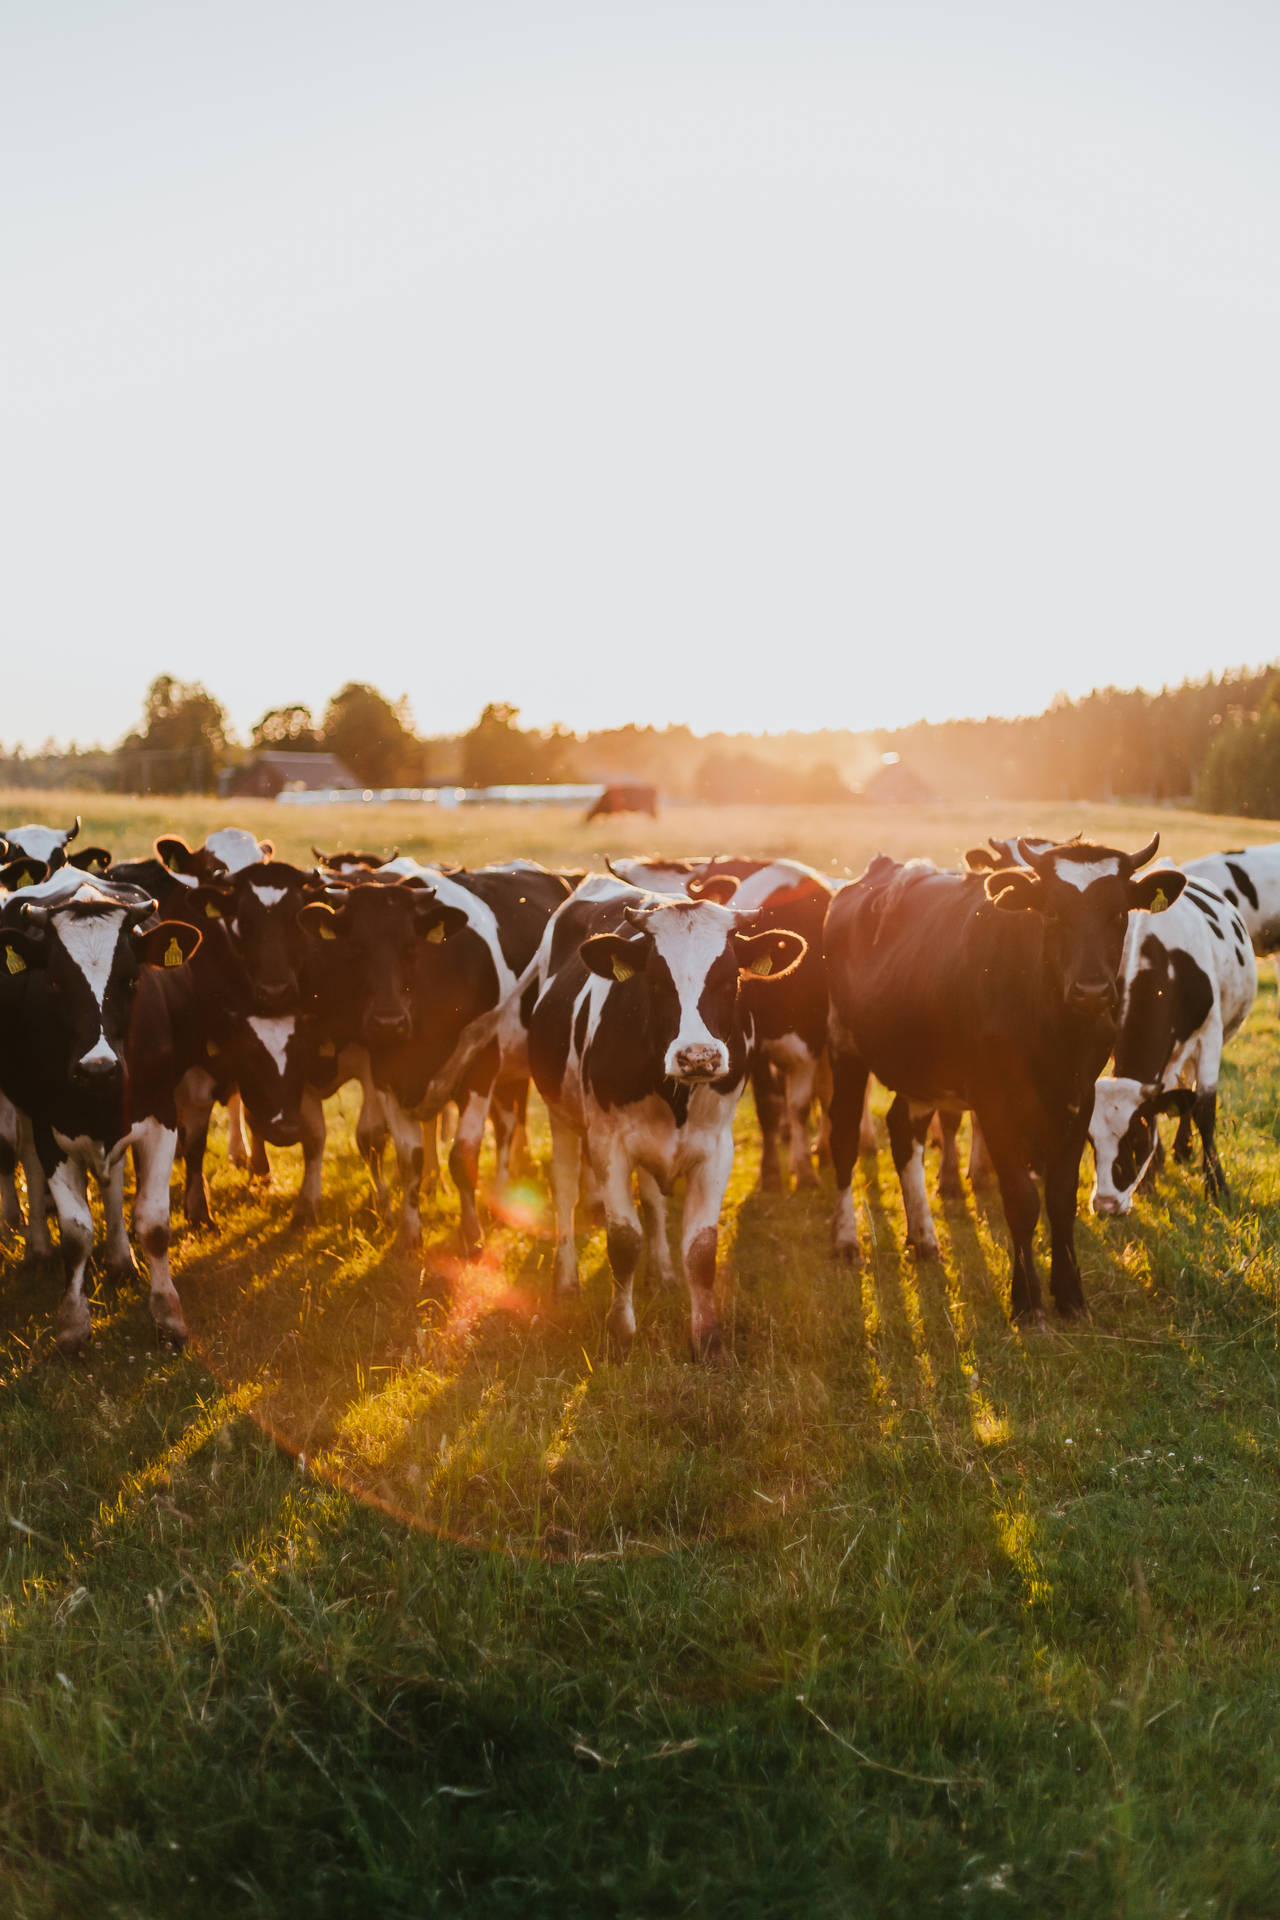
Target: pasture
[{"x": 390, "y": 1596}]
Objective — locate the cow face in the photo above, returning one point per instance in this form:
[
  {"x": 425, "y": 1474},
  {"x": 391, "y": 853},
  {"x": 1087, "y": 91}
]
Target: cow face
[
  {"x": 1123, "y": 1136},
  {"x": 262, "y": 919},
  {"x": 84, "y": 954},
  {"x": 1084, "y": 895},
  {"x": 367, "y": 948},
  {"x": 48, "y": 844},
  {"x": 682, "y": 967}
]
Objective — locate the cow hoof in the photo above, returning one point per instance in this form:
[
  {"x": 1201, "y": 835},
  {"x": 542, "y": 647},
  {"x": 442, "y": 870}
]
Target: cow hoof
[
  {"x": 173, "y": 1328},
  {"x": 924, "y": 1249},
  {"x": 806, "y": 1176},
  {"x": 120, "y": 1272},
  {"x": 847, "y": 1252},
  {"x": 770, "y": 1182},
  {"x": 709, "y": 1349},
  {"x": 950, "y": 1187},
  {"x": 305, "y": 1213},
  {"x": 1031, "y": 1320},
  {"x": 1076, "y": 1311},
  {"x": 618, "y": 1335},
  {"x": 72, "y": 1337}
]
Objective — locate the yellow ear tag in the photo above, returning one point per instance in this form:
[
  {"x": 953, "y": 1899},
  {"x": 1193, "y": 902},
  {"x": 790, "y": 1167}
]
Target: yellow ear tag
[
  {"x": 212, "y": 912},
  {"x": 763, "y": 965},
  {"x": 23, "y": 879},
  {"x": 326, "y": 931},
  {"x": 14, "y": 960},
  {"x": 173, "y": 954},
  {"x": 1160, "y": 902},
  {"x": 622, "y": 969},
  {"x": 435, "y": 933},
  {"x": 211, "y": 1048}
]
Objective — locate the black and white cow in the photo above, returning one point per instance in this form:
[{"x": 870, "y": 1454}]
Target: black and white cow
[
  {"x": 1249, "y": 880},
  {"x": 466, "y": 1033},
  {"x": 75, "y": 959},
  {"x": 998, "y": 994},
  {"x": 789, "y": 1020},
  {"x": 639, "y": 1043},
  {"x": 1188, "y": 980},
  {"x": 47, "y": 847}
]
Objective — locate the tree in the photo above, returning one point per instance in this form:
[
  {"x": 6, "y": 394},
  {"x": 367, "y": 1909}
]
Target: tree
[
  {"x": 183, "y": 739},
  {"x": 371, "y": 736},
  {"x": 497, "y": 753},
  {"x": 291, "y": 728}
]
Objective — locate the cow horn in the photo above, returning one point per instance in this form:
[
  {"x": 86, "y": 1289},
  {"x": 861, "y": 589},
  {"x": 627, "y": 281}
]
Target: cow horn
[
  {"x": 1025, "y": 853},
  {"x": 718, "y": 888},
  {"x": 637, "y": 916},
  {"x": 72, "y": 832},
  {"x": 33, "y": 914},
  {"x": 1137, "y": 860}
]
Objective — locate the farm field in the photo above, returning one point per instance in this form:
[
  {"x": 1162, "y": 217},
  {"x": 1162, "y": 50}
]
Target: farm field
[{"x": 390, "y": 1596}]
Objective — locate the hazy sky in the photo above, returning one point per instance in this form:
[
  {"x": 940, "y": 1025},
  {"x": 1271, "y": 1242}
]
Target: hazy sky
[{"x": 758, "y": 366}]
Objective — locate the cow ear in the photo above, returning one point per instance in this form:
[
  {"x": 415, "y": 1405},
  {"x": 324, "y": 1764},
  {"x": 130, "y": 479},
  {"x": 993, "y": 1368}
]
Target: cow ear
[
  {"x": 15, "y": 874},
  {"x": 436, "y": 923},
  {"x": 613, "y": 956},
  {"x": 320, "y": 918},
  {"x": 719, "y": 888},
  {"x": 268, "y": 848},
  {"x": 175, "y": 853},
  {"x": 18, "y": 953},
  {"x": 1156, "y": 891},
  {"x": 90, "y": 859},
  {"x": 980, "y": 860},
  {"x": 1016, "y": 889},
  {"x": 769, "y": 956},
  {"x": 209, "y": 901},
  {"x": 170, "y": 943}
]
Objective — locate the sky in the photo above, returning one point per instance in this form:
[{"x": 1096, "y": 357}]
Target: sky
[{"x": 757, "y": 366}]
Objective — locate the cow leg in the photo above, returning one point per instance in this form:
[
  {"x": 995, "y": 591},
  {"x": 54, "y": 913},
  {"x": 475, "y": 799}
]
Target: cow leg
[
  {"x": 120, "y": 1262},
  {"x": 259, "y": 1165},
  {"x": 1184, "y": 1139},
  {"x": 767, "y": 1094},
  {"x": 193, "y": 1104},
  {"x": 10, "y": 1205},
  {"x": 431, "y": 1152},
  {"x": 1021, "y": 1211},
  {"x": 153, "y": 1152},
  {"x": 624, "y": 1241},
  {"x": 509, "y": 1109},
  {"x": 371, "y": 1123},
  {"x": 75, "y": 1230},
  {"x": 981, "y": 1171},
  {"x": 306, "y": 1208},
  {"x": 1061, "y": 1186},
  {"x": 39, "y": 1245},
  {"x": 237, "y": 1151},
  {"x": 653, "y": 1213},
  {"x": 464, "y": 1165},
  {"x": 950, "y": 1186},
  {"x": 1205, "y": 1114},
  {"x": 867, "y": 1140},
  {"x": 566, "y": 1166},
  {"x": 906, "y": 1143},
  {"x": 798, "y": 1083},
  {"x": 407, "y": 1135},
  {"x": 699, "y": 1238},
  {"x": 848, "y": 1094}
]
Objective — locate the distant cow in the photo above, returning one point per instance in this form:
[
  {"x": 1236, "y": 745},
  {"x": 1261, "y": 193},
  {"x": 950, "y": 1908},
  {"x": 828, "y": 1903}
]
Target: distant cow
[
  {"x": 625, "y": 800},
  {"x": 996, "y": 994},
  {"x": 639, "y": 1043},
  {"x": 1189, "y": 978},
  {"x": 47, "y": 846}
]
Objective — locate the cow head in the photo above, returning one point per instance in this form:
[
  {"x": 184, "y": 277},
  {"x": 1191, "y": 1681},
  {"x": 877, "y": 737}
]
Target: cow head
[
  {"x": 86, "y": 950},
  {"x": 262, "y": 905},
  {"x": 682, "y": 965},
  {"x": 39, "y": 843},
  {"x": 1123, "y": 1135},
  {"x": 368, "y": 944},
  {"x": 1084, "y": 895}
]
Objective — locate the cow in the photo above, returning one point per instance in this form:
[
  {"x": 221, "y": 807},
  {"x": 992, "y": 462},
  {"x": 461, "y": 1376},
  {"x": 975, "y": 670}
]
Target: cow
[
  {"x": 1188, "y": 980},
  {"x": 635, "y": 799},
  {"x": 789, "y": 1021},
  {"x": 465, "y": 1035},
  {"x": 227, "y": 850},
  {"x": 350, "y": 862},
  {"x": 1248, "y": 878},
  {"x": 998, "y": 993},
  {"x": 638, "y": 1043},
  {"x": 75, "y": 959},
  {"x": 47, "y": 847}
]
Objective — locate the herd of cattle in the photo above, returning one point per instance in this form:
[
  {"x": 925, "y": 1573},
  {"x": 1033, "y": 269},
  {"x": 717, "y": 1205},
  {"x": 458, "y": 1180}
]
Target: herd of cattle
[{"x": 137, "y": 994}]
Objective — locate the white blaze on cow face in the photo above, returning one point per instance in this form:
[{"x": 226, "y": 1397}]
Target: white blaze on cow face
[
  {"x": 269, "y": 896},
  {"x": 90, "y": 942},
  {"x": 690, "y": 940},
  {"x": 275, "y": 1036},
  {"x": 1083, "y": 873}
]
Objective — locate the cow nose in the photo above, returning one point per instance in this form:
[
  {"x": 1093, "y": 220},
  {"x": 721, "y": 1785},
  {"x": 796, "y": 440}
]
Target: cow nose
[
  {"x": 1108, "y": 1205},
  {"x": 388, "y": 1026},
  {"x": 1093, "y": 996},
  {"x": 273, "y": 998},
  {"x": 97, "y": 1068},
  {"x": 698, "y": 1063}
]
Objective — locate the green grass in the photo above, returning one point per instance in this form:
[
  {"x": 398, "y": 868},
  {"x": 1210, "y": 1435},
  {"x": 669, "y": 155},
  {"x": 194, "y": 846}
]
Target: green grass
[{"x": 391, "y": 1597}]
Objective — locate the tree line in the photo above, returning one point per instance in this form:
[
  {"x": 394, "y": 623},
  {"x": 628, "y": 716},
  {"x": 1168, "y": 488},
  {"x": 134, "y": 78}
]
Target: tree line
[{"x": 1214, "y": 741}]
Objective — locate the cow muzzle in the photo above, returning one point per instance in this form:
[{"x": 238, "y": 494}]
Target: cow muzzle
[
  {"x": 382, "y": 1028},
  {"x": 97, "y": 1069},
  {"x": 1096, "y": 997},
  {"x": 695, "y": 1063},
  {"x": 1111, "y": 1205},
  {"x": 277, "y": 998}
]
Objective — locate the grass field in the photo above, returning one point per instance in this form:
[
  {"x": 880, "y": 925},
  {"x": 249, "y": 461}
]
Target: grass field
[{"x": 391, "y": 1598}]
